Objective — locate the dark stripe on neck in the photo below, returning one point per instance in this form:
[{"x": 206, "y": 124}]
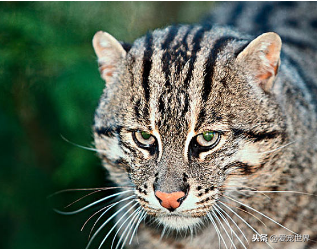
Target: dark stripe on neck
[
  {"x": 196, "y": 47},
  {"x": 147, "y": 65},
  {"x": 210, "y": 65},
  {"x": 166, "y": 58}
]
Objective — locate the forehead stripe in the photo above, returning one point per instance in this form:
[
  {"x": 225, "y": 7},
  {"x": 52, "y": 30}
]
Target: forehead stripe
[
  {"x": 181, "y": 50},
  {"x": 147, "y": 65},
  {"x": 197, "y": 45},
  {"x": 210, "y": 65},
  {"x": 166, "y": 58}
]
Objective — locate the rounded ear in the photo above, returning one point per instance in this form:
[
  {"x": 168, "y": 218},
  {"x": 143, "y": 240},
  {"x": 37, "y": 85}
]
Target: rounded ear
[
  {"x": 262, "y": 57},
  {"x": 109, "y": 52}
]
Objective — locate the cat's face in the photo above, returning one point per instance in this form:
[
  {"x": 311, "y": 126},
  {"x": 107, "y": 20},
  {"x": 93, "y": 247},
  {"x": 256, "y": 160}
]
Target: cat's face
[{"x": 187, "y": 118}]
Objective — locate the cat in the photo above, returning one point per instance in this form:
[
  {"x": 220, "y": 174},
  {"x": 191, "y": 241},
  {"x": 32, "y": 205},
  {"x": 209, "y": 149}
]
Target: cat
[{"x": 211, "y": 131}]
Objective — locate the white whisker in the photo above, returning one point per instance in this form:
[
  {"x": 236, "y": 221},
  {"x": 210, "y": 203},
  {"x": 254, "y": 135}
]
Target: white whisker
[
  {"x": 162, "y": 233},
  {"x": 217, "y": 230},
  {"x": 87, "y": 189},
  {"x": 130, "y": 226},
  {"x": 100, "y": 210},
  {"x": 250, "y": 189},
  {"x": 228, "y": 224},
  {"x": 81, "y": 146},
  {"x": 114, "y": 226},
  {"x": 279, "y": 191},
  {"x": 233, "y": 222},
  {"x": 244, "y": 221},
  {"x": 81, "y": 198},
  {"x": 219, "y": 221},
  {"x": 135, "y": 212},
  {"x": 111, "y": 206},
  {"x": 133, "y": 226},
  {"x": 106, "y": 222},
  {"x": 262, "y": 214},
  {"x": 279, "y": 148},
  {"x": 191, "y": 233},
  {"x": 137, "y": 225},
  {"x": 91, "y": 204}
]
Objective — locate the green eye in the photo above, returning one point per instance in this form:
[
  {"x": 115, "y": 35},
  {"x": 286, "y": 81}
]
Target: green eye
[
  {"x": 145, "y": 135},
  {"x": 143, "y": 138},
  {"x": 208, "y": 135},
  {"x": 208, "y": 139}
]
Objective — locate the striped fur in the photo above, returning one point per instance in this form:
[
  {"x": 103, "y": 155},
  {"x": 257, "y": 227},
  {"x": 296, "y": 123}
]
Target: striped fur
[{"x": 178, "y": 82}]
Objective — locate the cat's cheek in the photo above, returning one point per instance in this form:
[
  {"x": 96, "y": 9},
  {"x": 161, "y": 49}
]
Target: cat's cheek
[
  {"x": 110, "y": 147},
  {"x": 250, "y": 154}
]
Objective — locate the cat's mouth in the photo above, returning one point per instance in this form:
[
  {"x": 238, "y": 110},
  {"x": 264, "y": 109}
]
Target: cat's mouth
[{"x": 178, "y": 222}]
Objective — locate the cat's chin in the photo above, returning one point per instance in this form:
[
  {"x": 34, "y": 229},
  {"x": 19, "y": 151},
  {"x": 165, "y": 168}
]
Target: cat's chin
[{"x": 179, "y": 222}]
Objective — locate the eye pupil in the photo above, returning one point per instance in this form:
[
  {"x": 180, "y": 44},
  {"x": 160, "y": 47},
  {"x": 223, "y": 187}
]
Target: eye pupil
[
  {"x": 208, "y": 135},
  {"x": 145, "y": 135}
]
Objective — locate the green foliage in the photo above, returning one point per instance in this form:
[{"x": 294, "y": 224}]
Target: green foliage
[{"x": 50, "y": 86}]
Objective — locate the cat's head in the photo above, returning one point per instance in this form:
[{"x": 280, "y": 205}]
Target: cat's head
[{"x": 188, "y": 118}]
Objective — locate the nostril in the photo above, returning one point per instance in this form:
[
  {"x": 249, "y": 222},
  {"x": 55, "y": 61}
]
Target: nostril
[
  {"x": 181, "y": 199},
  {"x": 170, "y": 201}
]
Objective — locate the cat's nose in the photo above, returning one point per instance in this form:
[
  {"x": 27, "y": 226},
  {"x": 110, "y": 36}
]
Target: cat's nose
[{"x": 170, "y": 201}]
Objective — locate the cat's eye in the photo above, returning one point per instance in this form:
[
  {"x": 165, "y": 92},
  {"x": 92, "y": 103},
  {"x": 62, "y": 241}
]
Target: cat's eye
[
  {"x": 208, "y": 138},
  {"x": 143, "y": 139},
  {"x": 204, "y": 142}
]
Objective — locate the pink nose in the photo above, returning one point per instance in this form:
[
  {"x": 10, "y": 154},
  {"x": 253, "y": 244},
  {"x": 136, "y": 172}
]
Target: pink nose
[{"x": 171, "y": 201}]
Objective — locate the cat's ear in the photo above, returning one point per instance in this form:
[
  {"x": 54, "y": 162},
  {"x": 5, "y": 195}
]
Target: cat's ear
[
  {"x": 109, "y": 52},
  {"x": 262, "y": 57}
]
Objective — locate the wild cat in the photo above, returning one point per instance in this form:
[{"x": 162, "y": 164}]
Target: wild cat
[{"x": 211, "y": 130}]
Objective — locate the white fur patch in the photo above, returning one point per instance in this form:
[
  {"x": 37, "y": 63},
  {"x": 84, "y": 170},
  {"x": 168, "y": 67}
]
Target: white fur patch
[
  {"x": 189, "y": 203},
  {"x": 190, "y": 135},
  {"x": 114, "y": 151},
  {"x": 249, "y": 154},
  {"x": 153, "y": 201},
  {"x": 179, "y": 222}
]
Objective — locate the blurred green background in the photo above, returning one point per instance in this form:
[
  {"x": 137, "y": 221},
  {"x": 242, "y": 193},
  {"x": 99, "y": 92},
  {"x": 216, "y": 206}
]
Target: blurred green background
[{"x": 50, "y": 86}]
